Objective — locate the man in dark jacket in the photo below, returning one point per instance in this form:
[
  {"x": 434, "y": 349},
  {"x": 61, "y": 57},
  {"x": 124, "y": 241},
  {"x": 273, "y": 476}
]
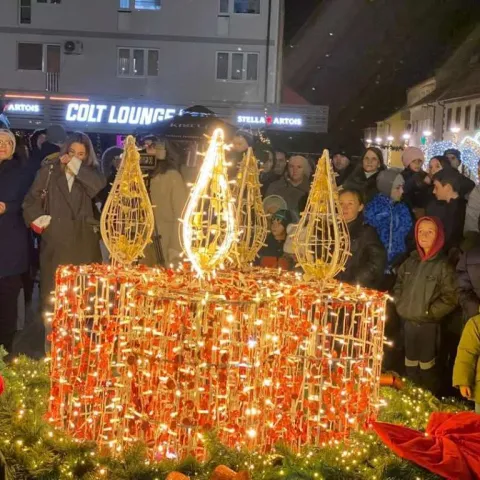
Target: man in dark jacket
[
  {"x": 14, "y": 246},
  {"x": 294, "y": 184},
  {"x": 56, "y": 136},
  {"x": 454, "y": 156},
  {"x": 366, "y": 265},
  {"x": 425, "y": 293},
  {"x": 450, "y": 208},
  {"x": 342, "y": 166}
]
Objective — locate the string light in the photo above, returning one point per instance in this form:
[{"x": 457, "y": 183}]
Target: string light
[
  {"x": 250, "y": 217},
  {"x": 260, "y": 356},
  {"x": 176, "y": 357},
  {"x": 127, "y": 220},
  {"x": 208, "y": 227},
  {"x": 30, "y": 446},
  {"x": 469, "y": 149},
  {"x": 322, "y": 242}
]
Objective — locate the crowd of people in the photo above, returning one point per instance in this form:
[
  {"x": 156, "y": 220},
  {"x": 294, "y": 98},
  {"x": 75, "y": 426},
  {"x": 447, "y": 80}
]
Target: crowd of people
[{"x": 414, "y": 233}]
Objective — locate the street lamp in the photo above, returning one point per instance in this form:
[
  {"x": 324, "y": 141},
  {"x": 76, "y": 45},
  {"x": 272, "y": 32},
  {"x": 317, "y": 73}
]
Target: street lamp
[
  {"x": 455, "y": 131},
  {"x": 390, "y": 139}
]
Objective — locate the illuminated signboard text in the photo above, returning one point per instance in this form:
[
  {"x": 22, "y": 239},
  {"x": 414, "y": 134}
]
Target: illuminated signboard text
[
  {"x": 94, "y": 113},
  {"x": 271, "y": 120},
  {"x": 23, "y": 108}
]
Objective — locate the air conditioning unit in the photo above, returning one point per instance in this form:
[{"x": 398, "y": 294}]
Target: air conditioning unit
[{"x": 73, "y": 47}]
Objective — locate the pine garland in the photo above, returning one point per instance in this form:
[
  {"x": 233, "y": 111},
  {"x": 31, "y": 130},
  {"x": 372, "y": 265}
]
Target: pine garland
[{"x": 31, "y": 450}]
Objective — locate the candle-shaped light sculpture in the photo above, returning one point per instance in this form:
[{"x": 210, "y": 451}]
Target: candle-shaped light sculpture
[
  {"x": 208, "y": 229},
  {"x": 322, "y": 241},
  {"x": 127, "y": 220},
  {"x": 250, "y": 217}
]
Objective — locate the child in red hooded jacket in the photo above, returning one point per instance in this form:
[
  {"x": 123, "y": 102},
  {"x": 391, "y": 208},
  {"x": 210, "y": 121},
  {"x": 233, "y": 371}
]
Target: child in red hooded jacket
[{"x": 425, "y": 293}]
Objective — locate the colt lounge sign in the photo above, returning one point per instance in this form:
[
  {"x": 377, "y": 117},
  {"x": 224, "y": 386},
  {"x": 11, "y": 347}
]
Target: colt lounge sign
[{"x": 117, "y": 114}]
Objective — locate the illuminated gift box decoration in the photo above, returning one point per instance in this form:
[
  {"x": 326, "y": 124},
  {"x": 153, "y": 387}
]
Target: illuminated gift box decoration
[{"x": 257, "y": 355}]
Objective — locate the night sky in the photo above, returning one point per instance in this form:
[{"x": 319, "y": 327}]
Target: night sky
[{"x": 368, "y": 52}]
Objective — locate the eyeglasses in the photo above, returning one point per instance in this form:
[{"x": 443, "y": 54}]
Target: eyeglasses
[{"x": 4, "y": 143}]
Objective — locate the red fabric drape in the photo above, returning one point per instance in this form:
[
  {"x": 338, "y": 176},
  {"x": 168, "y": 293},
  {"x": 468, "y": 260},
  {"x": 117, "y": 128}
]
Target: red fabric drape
[{"x": 450, "y": 447}]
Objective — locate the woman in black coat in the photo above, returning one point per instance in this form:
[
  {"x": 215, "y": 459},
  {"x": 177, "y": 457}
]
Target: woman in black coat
[
  {"x": 364, "y": 177},
  {"x": 14, "y": 242},
  {"x": 366, "y": 265}
]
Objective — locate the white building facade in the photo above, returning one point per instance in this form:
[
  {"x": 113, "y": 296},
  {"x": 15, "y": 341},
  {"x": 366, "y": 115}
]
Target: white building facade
[
  {"x": 175, "y": 50},
  {"x": 64, "y": 58}
]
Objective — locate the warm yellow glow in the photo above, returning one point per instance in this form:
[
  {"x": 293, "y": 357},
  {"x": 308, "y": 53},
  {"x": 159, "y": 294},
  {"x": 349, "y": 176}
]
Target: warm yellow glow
[
  {"x": 208, "y": 228},
  {"x": 127, "y": 219},
  {"x": 250, "y": 217},
  {"x": 322, "y": 241}
]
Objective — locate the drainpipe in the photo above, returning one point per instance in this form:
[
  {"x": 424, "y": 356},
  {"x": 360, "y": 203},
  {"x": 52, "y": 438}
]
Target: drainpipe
[
  {"x": 281, "y": 27},
  {"x": 267, "y": 59}
]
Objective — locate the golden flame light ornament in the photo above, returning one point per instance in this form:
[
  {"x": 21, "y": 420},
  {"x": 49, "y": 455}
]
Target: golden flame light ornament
[
  {"x": 322, "y": 241},
  {"x": 250, "y": 217},
  {"x": 127, "y": 220},
  {"x": 208, "y": 228}
]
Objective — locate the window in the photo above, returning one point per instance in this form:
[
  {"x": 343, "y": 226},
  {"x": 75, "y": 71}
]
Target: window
[
  {"x": 152, "y": 63},
  {"x": 476, "y": 124},
  {"x": 140, "y": 4},
  {"x": 246, "y": 6},
  {"x": 237, "y": 66},
  {"x": 252, "y": 66},
  {"x": 449, "y": 119},
  {"x": 224, "y": 6},
  {"x": 239, "y": 6},
  {"x": 25, "y": 11},
  {"x": 30, "y": 56},
  {"x": 137, "y": 62},
  {"x": 458, "y": 116},
  {"x": 468, "y": 111},
  {"x": 222, "y": 66}
]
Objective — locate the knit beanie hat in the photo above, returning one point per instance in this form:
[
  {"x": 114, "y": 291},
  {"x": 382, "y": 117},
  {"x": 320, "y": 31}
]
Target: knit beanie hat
[
  {"x": 284, "y": 216},
  {"x": 10, "y": 135},
  {"x": 410, "y": 154},
  {"x": 56, "y": 134},
  {"x": 455, "y": 152},
  {"x": 389, "y": 179}
]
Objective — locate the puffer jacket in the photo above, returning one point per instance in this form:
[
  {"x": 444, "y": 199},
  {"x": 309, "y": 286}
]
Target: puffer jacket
[
  {"x": 393, "y": 223},
  {"x": 368, "y": 258},
  {"x": 425, "y": 291},
  {"x": 466, "y": 372}
]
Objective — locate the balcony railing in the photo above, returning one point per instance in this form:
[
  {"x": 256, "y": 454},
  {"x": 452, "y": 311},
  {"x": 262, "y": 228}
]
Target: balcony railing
[{"x": 52, "y": 81}]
